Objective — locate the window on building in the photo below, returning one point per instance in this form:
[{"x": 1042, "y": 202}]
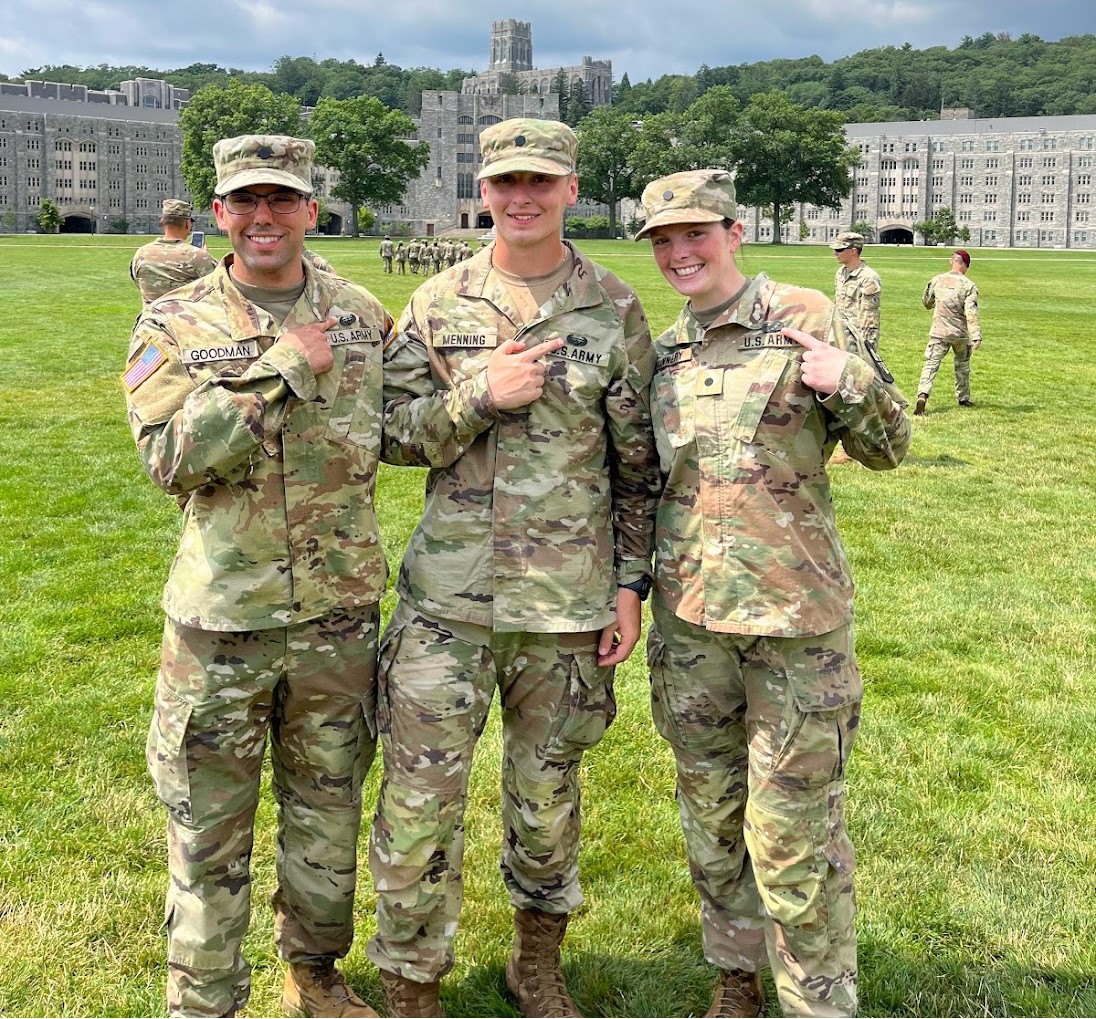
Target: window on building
[
  {"x": 1050, "y": 162},
  {"x": 1046, "y": 216},
  {"x": 1027, "y": 144},
  {"x": 990, "y": 215},
  {"x": 992, "y": 164},
  {"x": 1050, "y": 143},
  {"x": 1023, "y": 216},
  {"x": 993, "y": 145},
  {"x": 1024, "y": 198},
  {"x": 966, "y": 164},
  {"x": 968, "y": 144},
  {"x": 1048, "y": 198},
  {"x": 1084, "y": 178}
]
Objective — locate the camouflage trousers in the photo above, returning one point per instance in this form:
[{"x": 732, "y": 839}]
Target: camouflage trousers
[
  {"x": 312, "y": 687},
  {"x": 761, "y": 729},
  {"x": 436, "y": 682},
  {"x": 934, "y": 355}
]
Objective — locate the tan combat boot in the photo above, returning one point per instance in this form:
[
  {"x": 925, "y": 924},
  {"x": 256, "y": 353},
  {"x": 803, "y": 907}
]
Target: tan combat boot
[
  {"x": 533, "y": 974},
  {"x": 919, "y": 409},
  {"x": 738, "y": 995},
  {"x": 406, "y": 997},
  {"x": 318, "y": 989}
]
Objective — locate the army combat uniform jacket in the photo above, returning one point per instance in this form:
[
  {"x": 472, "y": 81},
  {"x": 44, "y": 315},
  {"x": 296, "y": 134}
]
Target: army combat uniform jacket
[
  {"x": 746, "y": 540},
  {"x": 275, "y": 464},
  {"x": 857, "y": 292},
  {"x": 532, "y": 517},
  {"x": 164, "y": 264},
  {"x": 955, "y": 300}
]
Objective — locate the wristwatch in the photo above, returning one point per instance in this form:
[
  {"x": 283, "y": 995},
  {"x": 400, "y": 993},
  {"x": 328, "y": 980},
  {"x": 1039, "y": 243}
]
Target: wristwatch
[{"x": 642, "y": 587}]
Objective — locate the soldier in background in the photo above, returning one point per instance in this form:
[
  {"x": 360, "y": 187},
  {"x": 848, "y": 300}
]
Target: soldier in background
[
  {"x": 386, "y": 252},
  {"x": 521, "y": 379},
  {"x": 254, "y": 397},
  {"x": 857, "y": 289},
  {"x": 955, "y": 327},
  {"x": 169, "y": 261},
  {"x": 401, "y": 258},
  {"x": 754, "y": 682}
]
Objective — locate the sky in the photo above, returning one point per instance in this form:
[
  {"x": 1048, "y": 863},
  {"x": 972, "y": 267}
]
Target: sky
[{"x": 643, "y": 38}]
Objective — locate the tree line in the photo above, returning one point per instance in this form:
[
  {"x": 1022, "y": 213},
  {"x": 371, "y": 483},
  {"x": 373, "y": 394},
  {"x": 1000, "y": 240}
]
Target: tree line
[{"x": 993, "y": 74}]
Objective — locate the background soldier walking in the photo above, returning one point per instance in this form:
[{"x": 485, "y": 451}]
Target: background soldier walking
[{"x": 955, "y": 327}]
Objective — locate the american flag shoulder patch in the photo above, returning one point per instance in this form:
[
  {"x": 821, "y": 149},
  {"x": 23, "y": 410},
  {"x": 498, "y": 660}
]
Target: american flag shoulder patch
[{"x": 143, "y": 366}]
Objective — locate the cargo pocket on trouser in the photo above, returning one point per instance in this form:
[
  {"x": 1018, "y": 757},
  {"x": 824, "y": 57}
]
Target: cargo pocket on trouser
[
  {"x": 390, "y": 646},
  {"x": 586, "y": 710},
  {"x": 165, "y": 752}
]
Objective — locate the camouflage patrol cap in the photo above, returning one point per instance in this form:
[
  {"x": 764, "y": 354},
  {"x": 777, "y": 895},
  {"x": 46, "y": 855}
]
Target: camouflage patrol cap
[
  {"x": 848, "y": 240},
  {"x": 263, "y": 159},
  {"x": 691, "y": 196},
  {"x": 523, "y": 143},
  {"x": 175, "y": 208}
]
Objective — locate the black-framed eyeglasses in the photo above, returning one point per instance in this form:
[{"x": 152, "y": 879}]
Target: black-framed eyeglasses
[{"x": 281, "y": 203}]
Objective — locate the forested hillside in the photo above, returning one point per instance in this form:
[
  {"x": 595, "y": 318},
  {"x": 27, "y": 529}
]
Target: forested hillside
[{"x": 994, "y": 75}]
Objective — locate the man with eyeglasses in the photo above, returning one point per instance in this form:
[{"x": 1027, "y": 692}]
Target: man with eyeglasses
[
  {"x": 254, "y": 397},
  {"x": 169, "y": 261}
]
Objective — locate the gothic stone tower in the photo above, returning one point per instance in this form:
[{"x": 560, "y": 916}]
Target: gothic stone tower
[{"x": 511, "y": 46}]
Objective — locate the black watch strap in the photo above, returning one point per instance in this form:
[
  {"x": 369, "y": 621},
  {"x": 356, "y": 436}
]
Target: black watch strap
[{"x": 642, "y": 587}]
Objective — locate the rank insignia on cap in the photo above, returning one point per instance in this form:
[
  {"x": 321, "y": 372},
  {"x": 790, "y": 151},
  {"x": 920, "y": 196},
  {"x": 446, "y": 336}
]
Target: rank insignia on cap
[
  {"x": 265, "y": 152},
  {"x": 143, "y": 366},
  {"x": 667, "y": 195},
  {"x": 519, "y": 140}
]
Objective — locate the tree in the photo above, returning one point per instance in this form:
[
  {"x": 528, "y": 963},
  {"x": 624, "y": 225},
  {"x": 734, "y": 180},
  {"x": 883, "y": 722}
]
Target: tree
[
  {"x": 364, "y": 140},
  {"x": 577, "y": 103},
  {"x": 214, "y": 113},
  {"x": 48, "y": 217},
  {"x": 706, "y": 132},
  {"x": 606, "y": 143},
  {"x": 946, "y": 227},
  {"x": 927, "y": 229},
  {"x": 9, "y": 219},
  {"x": 654, "y": 154},
  {"x": 785, "y": 154},
  {"x": 865, "y": 229}
]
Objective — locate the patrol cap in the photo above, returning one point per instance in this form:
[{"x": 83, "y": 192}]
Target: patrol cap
[
  {"x": 848, "y": 240},
  {"x": 263, "y": 159},
  {"x": 175, "y": 208},
  {"x": 964, "y": 255},
  {"x": 523, "y": 143},
  {"x": 691, "y": 196}
]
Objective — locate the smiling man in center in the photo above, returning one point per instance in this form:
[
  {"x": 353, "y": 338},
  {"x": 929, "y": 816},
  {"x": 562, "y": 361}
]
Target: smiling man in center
[{"x": 520, "y": 377}]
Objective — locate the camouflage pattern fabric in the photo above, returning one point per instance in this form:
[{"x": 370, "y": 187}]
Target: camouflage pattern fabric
[
  {"x": 318, "y": 261},
  {"x": 532, "y": 518},
  {"x": 955, "y": 327},
  {"x": 954, "y": 300},
  {"x": 746, "y": 540},
  {"x": 276, "y": 466},
  {"x": 414, "y": 250},
  {"x": 310, "y": 688},
  {"x": 401, "y": 259},
  {"x": 387, "y": 250},
  {"x": 164, "y": 264},
  {"x": 934, "y": 356},
  {"x": 761, "y": 729},
  {"x": 263, "y": 159},
  {"x": 437, "y": 679},
  {"x": 527, "y": 144},
  {"x": 857, "y": 295}
]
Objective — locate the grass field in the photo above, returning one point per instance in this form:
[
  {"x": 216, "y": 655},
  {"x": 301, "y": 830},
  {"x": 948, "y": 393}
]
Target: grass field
[{"x": 971, "y": 786}]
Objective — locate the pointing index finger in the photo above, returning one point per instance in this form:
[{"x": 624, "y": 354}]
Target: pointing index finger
[
  {"x": 537, "y": 352},
  {"x": 804, "y": 339}
]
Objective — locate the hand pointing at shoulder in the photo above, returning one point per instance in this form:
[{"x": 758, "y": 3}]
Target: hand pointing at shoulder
[{"x": 823, "y": 363}]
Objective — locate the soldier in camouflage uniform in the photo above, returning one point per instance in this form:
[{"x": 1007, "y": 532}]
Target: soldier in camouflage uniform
[
  {"x": 169, "y": 261},
  {"x": 386, "y": 252},
  {"x": 857, "y": 289},
  {"x": 401, "y": 258},
  {"x": 955, "y": 327},
  {"x": 754, "y": 681},
  {"x": 520, "y": 377},
  {"x": 254, "y": 397}
]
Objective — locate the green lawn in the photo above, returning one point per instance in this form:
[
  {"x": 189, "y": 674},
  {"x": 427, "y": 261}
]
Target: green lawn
[{"x": 970, "y": 800}]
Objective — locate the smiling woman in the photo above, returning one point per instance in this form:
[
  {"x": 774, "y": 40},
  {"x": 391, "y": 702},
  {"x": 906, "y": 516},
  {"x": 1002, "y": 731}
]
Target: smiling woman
[{"x": 754, "y": 681}]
